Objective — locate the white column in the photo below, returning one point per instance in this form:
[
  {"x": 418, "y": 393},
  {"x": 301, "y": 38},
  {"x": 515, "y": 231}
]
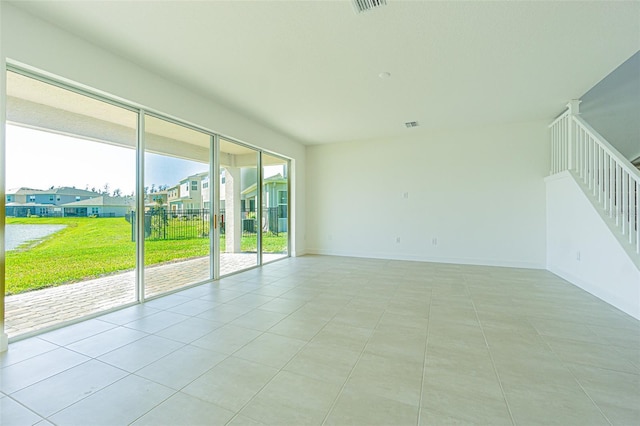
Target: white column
[
  {"x": 233, "y": 221},
  {"x": 4, "y": 340}
]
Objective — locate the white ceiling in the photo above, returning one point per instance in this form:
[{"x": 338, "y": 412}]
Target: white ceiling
[{"x": 310, "y": 69}]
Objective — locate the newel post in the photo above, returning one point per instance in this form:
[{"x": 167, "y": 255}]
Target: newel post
[{"x": 574, "y": 109}]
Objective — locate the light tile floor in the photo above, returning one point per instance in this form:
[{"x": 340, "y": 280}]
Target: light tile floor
[{"x": 327, "y": 340}]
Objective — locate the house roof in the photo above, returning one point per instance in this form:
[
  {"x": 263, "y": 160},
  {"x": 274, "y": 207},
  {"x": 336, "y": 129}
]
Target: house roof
[
  {"x": 66, "y": 190},
  {"x": 23, "y": 191},
  {"x": 194, "y": 176},
  {"x": 310, "y": 70},
  {"x": 271, "y": 179},
  {"x": 276, "y": 178},
  {"x": 102, "y": 201}
]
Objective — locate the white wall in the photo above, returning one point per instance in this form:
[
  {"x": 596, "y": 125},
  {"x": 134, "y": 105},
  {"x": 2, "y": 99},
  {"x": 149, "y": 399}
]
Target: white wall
[
  {"x": 32, "y": 42},
  {"x": 479, "y": 192},
  {"x": 583, "y": 250}
]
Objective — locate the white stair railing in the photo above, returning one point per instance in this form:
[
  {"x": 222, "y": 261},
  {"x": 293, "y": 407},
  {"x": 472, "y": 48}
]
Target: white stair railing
[{"x": 611, "y": 180}]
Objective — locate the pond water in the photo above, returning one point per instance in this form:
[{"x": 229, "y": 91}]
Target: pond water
[{"x": 15, "y": 235}]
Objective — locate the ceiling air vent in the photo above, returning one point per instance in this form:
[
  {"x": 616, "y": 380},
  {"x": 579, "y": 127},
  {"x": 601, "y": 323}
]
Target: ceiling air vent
[
  {"x": 364, "y": 5},
  {"x": 411, "y": 124}
]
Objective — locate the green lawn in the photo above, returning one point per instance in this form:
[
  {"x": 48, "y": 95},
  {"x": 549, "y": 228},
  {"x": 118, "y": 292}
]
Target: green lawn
[{"x": 92, "y": 247}]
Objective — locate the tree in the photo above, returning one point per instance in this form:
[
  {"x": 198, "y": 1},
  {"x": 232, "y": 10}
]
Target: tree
[
  {"x": 117, "y": 192},
  {"x": 106, "y": 189}
]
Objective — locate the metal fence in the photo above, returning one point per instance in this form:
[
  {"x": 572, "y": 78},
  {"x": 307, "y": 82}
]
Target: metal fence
[{"x": 160, "y": 224}]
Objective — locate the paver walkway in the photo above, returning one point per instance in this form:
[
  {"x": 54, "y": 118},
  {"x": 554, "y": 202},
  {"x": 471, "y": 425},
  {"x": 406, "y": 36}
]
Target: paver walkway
[{"x": 39, "y": 309}]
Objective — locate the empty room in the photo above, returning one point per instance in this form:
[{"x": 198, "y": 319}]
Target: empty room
[{"x": 423, "y": 212}]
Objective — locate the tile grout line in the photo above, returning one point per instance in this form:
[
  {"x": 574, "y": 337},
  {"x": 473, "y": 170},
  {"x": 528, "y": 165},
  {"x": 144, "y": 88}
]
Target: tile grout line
[
  {"x": 335, "y": 400},
  {"x": 92, "y": 393},
  {"x": 282, "y": 368},
  {"x": 493, "y": 363},
  {"x": 424, "y": 361},
  {"x": 25, "y": 407},
  {"x": 564, "y": 363},
  {"x": 129, "y": 374},
  {"x": 166, "y": 355}
]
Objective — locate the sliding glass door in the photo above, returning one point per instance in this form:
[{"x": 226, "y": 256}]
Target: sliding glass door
[
  {"x": 177, "y": 206},
  {"x": 239, "y": 201},
  {"x": 275, "y": 208},
  {"x": 70, "y": 189},
  {"x": 107, "y": 205}
]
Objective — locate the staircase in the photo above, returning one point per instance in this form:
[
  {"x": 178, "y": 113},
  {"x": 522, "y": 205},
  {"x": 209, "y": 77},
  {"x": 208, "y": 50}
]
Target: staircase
[{"x": 611, "y": 182}]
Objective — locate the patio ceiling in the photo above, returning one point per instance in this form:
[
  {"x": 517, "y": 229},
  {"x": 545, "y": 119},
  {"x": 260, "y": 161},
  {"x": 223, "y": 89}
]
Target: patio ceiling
[{"x": 310, "y": 69}]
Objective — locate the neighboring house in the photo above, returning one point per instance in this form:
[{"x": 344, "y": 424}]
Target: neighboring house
[
  {"x": 156, "y": 199},
  {"x": 102, "y": 206},
  {"x": 189, "y": 195},
  {"x": 61, "y": 195},
  {"x": 21, "y": 195},
  {"x": 22, "y": 202},
  {"x": 275, "y": 200},
  {"x": 31, "y": 209},
  {"x": 205, "y": 193},
  {"x": 173, "y": 195}
]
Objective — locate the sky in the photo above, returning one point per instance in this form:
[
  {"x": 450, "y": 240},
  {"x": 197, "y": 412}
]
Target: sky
[{"x": 40, "y": 160}]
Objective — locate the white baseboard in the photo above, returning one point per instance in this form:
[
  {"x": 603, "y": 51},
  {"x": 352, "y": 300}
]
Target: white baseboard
[
  {"x": 4, "y": 341},
  {"x": 414, "y": 258},
  {"x": 629, "y": 307}
]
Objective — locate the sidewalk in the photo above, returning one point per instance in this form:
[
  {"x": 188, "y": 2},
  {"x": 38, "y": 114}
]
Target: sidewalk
[{"x": 38, "y": 309}]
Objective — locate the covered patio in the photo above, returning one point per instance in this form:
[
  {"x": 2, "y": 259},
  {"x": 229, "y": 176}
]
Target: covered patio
[{"x": 37, "y": 310}]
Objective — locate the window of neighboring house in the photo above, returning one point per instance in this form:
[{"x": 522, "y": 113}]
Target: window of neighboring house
[
  {"x": 282, "y": 197},
  {"x": 9, "y": 199},
  {"x": 50, "y": 197},
  {"x": 194, "y": 185},
  {"x": 205, "y": 185},
  {"x": 95, "y": 211},
  {"x": 248, "y": 207},
  {"x": 77, "y": 198},
  {"x": 282, "y": 204},
  {"x": 32, "y": 198},
  {"x": 58, "y": 198}
]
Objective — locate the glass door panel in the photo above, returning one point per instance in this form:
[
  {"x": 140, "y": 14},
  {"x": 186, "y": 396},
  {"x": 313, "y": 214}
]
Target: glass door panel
[
  {"x": 275, "y": 208},
  {"x": 239, "y": 215},
  {"x": 70, "y": 188},
  {"x": 177, "y": 248}
]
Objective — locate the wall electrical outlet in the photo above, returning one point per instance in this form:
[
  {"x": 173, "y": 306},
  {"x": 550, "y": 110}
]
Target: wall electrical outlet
[
  {"x": 397, "y": 239},
  {"x": 578, "y": 256},
  {"x": 405, "y": 195},
  {"x": 434, "y": 241}
]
